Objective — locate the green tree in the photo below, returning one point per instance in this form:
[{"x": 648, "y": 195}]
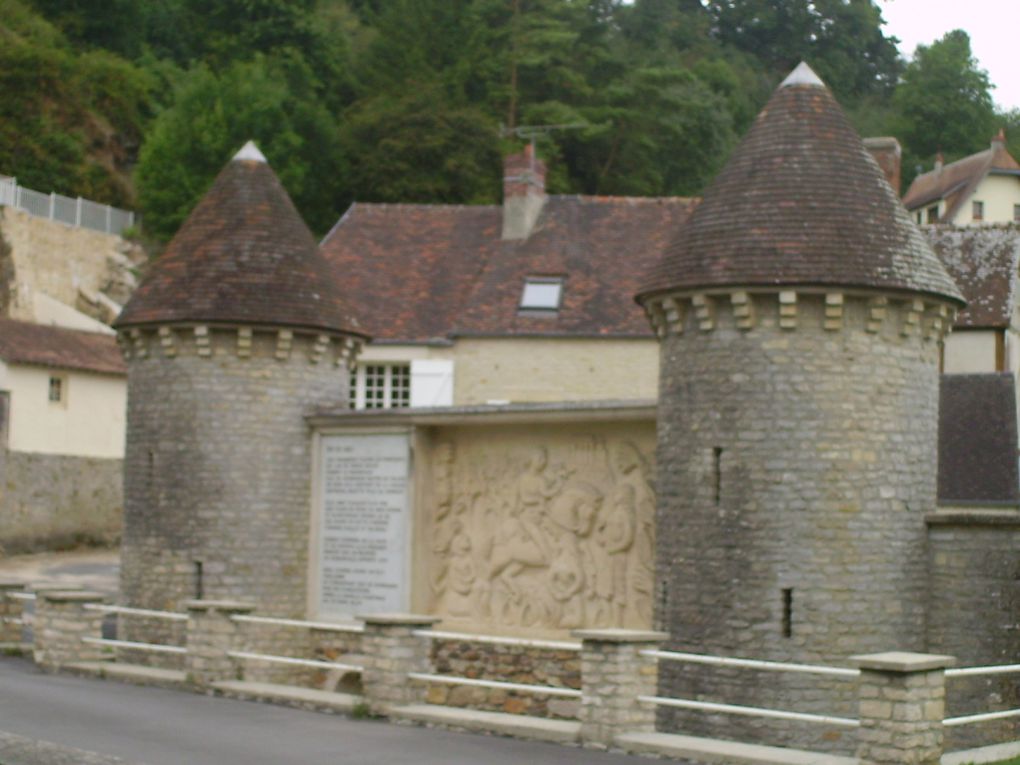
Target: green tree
[
  {"x": 69, "y": 122},
  {"x": 212, "y": 116},
  {"x": 659, "y": 132},
  {"x": 420, "y": 147},
  {"x": 841, "y": 39},
  {"x": 943, "y": 103}
]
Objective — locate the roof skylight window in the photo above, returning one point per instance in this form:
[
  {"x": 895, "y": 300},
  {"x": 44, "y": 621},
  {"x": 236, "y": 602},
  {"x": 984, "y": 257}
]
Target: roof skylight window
[{"x": 542, "y": 293}]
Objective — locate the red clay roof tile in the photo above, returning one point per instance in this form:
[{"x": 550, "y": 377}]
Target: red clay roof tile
[
  {"x": 243, "y": 256},
  {"x": 46, "y": 346},
  {"x": 801, "y": 202},
  {"x": 423, "y": 272}
]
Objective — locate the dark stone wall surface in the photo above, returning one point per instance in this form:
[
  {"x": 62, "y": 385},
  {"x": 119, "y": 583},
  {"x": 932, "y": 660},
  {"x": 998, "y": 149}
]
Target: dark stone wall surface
[
  {"x": 218, "y": 469},
  {"x": 974, "y": 614},
  {"x": 53, "y": 501},
  {"x": 796, "y": 467}
]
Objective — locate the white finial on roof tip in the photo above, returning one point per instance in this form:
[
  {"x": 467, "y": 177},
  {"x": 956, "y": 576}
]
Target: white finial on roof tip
[
  {"x": 802, "y": 75},
  {"x": 251, "y": 152}
]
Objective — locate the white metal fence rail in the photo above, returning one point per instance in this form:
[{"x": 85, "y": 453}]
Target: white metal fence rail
[
  {"x": 146, "y": 612},
  {"x": 467, "y": 637},
  {"x": 756, "y": 664},
  {"x": 274, "y": 659},
  {"x": 541, "y": 690},
  {"x": 994, "y": 669},
  {"x": 329, "y": 626},
  {"x": 154, "y": 647},
  {"x": 73, "y": 212}
]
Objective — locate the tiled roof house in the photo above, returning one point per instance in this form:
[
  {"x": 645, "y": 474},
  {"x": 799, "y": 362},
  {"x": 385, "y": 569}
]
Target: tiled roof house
[
  {"x": 980, "y": 189},
  {"x": 528, "y": 301},
  {"x": 62, "y": 413},
  {"x": 532, "y": 300}
]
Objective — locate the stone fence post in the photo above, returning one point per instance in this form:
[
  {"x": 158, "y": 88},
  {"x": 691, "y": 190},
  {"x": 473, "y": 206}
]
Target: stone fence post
[
  {"x": 211, "y": 633},
  {"x": 61, "y": 621},
  {"x": 902, "y": 705},
  {"x": 11, "y": 610},
  {"x": 613, "y": 675},
  {"x": 391, "y": 650}
]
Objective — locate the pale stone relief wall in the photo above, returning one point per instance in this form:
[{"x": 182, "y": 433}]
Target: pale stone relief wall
[{"x": 546, "y": 529}]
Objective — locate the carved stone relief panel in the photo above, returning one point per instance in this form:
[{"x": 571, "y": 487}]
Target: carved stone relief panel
[{"x": 541, "y": 529}]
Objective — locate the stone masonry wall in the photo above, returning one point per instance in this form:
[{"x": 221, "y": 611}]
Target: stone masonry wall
[
  {"x": 974, "y": 615},
  {"x": 537, "y": 666},
  {"x": 217, "y": 476},
  {"x": 796, "y": 465},
  {"x": 51, "y": 501}
]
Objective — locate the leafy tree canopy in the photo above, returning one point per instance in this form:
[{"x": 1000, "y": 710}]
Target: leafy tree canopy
[
  {"x": 404, "y": 100},
  {"x": 943, "y": 103},
  {"x": 213, "y": 115}
]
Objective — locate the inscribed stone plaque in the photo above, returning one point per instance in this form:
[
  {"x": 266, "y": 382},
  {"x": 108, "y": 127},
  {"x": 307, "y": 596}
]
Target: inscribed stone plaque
[{"x": 363, "y": 524}]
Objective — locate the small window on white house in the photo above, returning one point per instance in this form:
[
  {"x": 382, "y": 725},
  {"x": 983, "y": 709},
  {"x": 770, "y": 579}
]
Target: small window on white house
[
  {"x": 542, "y": 293},
  {"x": 380, "y": 386},
  {"x": 933, "y": 214},
  {"x": 1016, "y": 213},
  {"x": 58, "y": 390},
  {"x": 978, "y": 211}
]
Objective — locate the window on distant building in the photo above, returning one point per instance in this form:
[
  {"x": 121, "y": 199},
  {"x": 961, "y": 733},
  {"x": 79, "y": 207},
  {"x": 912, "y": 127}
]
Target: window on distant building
[
  {"x": 933, "y": 214},
  {"x": 380, "y": 386},
  {"x": 977, "y": 211},
  {"x": 542, "y": 293},
  {"x": 58, "y": 390},
  {"x": 919, "y": 217},
  {"x": 1016, "y": 213}
]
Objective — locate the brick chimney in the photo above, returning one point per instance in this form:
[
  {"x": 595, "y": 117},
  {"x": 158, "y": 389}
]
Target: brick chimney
[
  {"x": 887, "y": 153},
  {"x": 523, "y": 193}
]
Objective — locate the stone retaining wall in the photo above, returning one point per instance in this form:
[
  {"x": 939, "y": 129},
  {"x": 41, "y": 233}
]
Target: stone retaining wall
[
  {"x": 50, "y": 502},
  {"x": 506, "y": 663}
]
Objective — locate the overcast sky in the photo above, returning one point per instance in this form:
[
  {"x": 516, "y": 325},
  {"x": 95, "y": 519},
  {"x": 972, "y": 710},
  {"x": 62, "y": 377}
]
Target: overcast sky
[{"x": 991, "y": 24}]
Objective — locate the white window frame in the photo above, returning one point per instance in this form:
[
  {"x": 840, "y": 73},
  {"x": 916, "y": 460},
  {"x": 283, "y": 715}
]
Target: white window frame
[
  {"x": 394, "y": 394},
  {"x": 529, "y": 281}
]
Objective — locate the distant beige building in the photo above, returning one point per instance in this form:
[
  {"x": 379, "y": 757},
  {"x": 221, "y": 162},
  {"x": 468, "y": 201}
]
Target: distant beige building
[{"x": 981, "y": 189}]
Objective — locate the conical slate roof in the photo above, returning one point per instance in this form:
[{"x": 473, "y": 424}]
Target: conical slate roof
[
  {"x": 801, "y": 202},
  {"x": 243, "y": 256}
]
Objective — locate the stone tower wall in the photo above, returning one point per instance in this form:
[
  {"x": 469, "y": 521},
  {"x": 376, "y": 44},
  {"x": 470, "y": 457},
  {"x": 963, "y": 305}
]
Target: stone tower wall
[
  {"x": 218, "y": 463},
  {"x": 797, "y": 437},
  {"x": 974, "y": 614}
]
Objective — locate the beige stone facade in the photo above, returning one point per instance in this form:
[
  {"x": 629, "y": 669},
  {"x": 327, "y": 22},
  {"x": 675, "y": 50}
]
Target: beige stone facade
[
  {"x": 522, "y": 369},
  {"x": 529, "y": 520}
]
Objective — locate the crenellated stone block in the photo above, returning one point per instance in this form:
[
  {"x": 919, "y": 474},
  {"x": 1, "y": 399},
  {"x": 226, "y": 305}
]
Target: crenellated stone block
[{"x": 743, "y": 309}]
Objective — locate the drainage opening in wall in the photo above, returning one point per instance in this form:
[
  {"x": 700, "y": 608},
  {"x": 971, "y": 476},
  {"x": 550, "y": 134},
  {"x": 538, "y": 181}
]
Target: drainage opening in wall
[{"x": 787, "y": 612}]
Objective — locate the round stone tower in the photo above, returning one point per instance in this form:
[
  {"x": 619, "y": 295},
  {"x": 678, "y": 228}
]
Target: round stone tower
[
  {"x": 800, "y": 313},
  {"x": 236, "y": 333}
]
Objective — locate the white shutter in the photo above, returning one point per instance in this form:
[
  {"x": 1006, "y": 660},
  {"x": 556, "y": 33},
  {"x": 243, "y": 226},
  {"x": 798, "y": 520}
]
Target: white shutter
[{"x": 432, "y": 382}]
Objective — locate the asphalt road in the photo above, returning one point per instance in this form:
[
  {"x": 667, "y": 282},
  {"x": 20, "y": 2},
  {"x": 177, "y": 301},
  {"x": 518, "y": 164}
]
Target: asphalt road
[{"x": 157, "y": 726}]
